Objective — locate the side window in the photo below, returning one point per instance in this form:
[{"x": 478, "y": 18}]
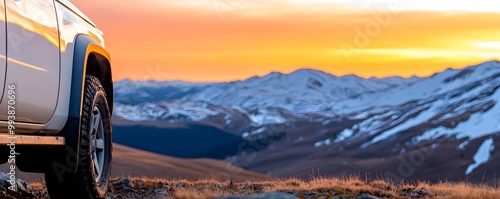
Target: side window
[{"x": 33, "y": 58}]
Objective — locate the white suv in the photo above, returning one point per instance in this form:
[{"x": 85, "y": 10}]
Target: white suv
[{"x": 57, "y": 99}]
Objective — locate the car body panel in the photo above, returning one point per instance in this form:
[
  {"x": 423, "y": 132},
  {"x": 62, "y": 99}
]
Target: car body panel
[
  {"x": 49, "y": 48},
  {"x": 3, "y": 48},
  {"x": 77, "y": 11},
  {"x": 71, "y": 25},
  {"x": 32, "y": 59}
]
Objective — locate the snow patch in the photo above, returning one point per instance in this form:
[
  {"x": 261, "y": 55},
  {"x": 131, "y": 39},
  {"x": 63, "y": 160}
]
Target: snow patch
[
  {"x": 167, "y": 110},
  {"x": 478, "y": 125},
  {"x": 346, "y": 133},
  {"x": 258, "y": 131},
  {"x": 482, "y": 155},
  {"x": 324, "y": 142},
  {"x": 423, "y": 117},
  {"x": 464, "y": 144},
  {"x": 264, "y": 116}
]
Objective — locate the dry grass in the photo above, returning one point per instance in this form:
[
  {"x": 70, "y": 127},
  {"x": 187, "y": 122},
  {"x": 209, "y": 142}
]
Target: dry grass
[{"x": 349, "y": 187}]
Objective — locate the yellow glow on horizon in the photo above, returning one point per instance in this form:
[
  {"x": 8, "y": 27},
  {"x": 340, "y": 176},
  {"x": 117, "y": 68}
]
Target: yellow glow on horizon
[
  {"x": 488, "y": 44},
  {"x": 199, "y": 41}
]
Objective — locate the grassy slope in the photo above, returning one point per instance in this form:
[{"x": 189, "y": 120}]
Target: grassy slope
[{"x": 133, "y": 162}]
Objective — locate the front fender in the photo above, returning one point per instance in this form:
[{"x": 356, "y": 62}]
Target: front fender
[{"x": 84, "y": 46}]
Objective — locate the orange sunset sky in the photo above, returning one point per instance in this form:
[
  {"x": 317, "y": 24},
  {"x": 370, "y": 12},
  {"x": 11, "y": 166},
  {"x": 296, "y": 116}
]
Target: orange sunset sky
[{"x": 225, "y": 40}]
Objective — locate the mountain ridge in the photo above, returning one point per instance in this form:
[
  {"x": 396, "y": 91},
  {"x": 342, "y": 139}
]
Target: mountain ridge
[
  {"x": 300, "y": 69},
  {"x": 318, "y": 116}
]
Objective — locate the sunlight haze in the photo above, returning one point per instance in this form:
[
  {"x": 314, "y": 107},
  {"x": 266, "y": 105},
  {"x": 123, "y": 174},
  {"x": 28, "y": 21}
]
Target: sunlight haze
[{"x": 223, "y": 40}]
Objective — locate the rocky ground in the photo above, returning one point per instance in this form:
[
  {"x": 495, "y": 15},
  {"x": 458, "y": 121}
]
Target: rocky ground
[{"x": 323, "y": 188}]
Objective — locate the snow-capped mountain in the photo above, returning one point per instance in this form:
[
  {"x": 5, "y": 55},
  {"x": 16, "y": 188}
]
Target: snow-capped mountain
[
  {"x": 133, "y": 93},
  {"x": 348, "y": 117},
  {"x": 303, "y": 91}
]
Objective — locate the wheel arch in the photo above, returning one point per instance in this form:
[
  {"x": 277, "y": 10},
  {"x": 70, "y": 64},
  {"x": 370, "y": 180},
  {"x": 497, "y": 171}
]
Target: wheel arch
[
  {"x": 89, "y": 58},
  {"x": 98, "y": 65}
]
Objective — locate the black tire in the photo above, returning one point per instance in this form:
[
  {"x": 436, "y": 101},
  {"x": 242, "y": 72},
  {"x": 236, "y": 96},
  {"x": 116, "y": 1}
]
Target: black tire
[{"x": 90, "y": 181}]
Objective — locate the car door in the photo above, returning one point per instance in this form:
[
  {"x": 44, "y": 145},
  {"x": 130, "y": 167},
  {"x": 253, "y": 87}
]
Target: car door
[
  {"x": 3, "y": 50},
  {"x": 32, "y": 58}
]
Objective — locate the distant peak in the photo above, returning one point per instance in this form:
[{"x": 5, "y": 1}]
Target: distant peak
[
  {"x": 487, "y": 66},
  {"x": 310, "y": 72},
  {"x": 275, "y": 73},
  {"x": 492, "y": 62},
  {"x": 308, "y": 69},
  {"x": 269, "y": 75},
  {"x": 351, "y": 76}
]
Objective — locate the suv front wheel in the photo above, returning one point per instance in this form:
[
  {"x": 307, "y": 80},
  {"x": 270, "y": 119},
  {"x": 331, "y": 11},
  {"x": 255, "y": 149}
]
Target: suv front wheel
[{"x": 94, "y": 161}]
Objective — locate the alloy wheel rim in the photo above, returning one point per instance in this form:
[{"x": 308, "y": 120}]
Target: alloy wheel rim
[{"x": 97, "y": 143}]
